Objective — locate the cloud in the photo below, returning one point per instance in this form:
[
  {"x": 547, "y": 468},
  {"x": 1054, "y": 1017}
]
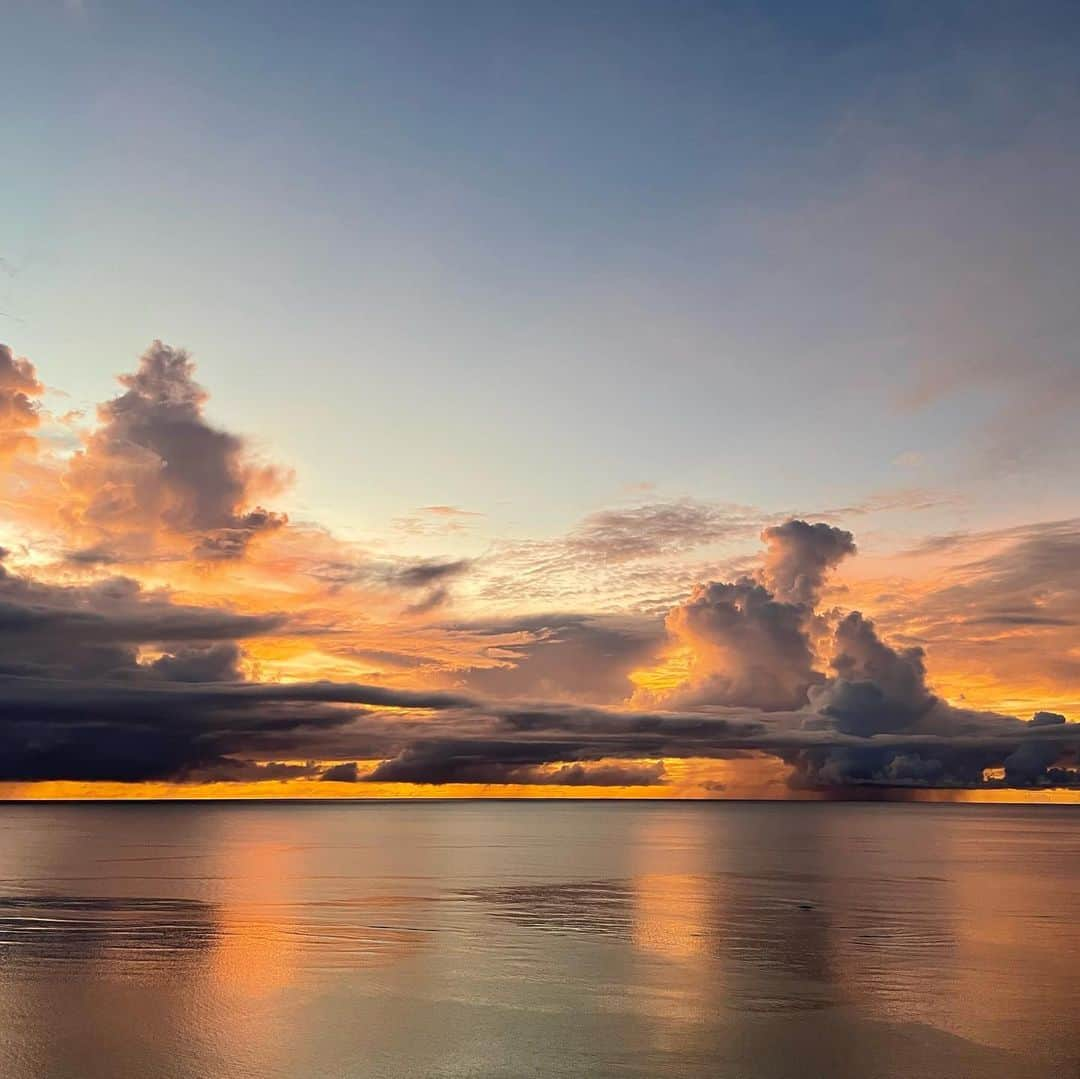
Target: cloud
[
  {"x": 799, "y": 556},
  {"x": 876, "y": 688},
  {"x": 567, "y": 656},
  {"x": 230, "y": 770},
  {"x": 95, "y": 630},
  {"x": 430, "y": 575},
  {"x": 505, "y": 762},
  {"x": 341, "y": 773},
  {"x": 635, "y": 556},
  {"x": 213, "y": 663},
  {"x": 751, "y": 639},
  {"x": 133, "y": 731},
  {"x": 997, "y": 611},
  {"x": 436, "y": 521},
  {"x": 425, "y": 573},
  {"x": 147, "y": 729},
  {"x": 19, "y": 413},
  {"x": 154, "y": 468},
  {"x": 752, "y": 649},
  {"x": 880, "y": 690},
  {"x": 607, "y": 775},
  {"x": 748, "y": 648},
  {"x": 654, "y": 530}
]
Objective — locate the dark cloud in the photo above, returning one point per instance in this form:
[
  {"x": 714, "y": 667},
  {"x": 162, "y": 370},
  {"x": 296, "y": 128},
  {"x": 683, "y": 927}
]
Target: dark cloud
[
  {"x": 133, "y": 731},
  {"x": 469, "y": 761},
  {"x": 232, "y": 770},
  {"x": 877, "y": 688},
  {"x": 434, "y": 599},
  {"x": 1047, "y": 719},
  {"x": 341, "y": 773},
  {"x": 608, "y": 775},
  {"x": 503, "y": 762},
  {"x": 880, "y": 690},
  {"x": 434, "y": 575},
  {"x": 214, "y": 663},
  {"x": 149, "y": 729},
  {"x": 94, "y": 631}
]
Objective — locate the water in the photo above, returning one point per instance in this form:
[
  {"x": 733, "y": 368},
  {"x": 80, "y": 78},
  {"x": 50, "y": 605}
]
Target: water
[{"x": 548, "y": 939}]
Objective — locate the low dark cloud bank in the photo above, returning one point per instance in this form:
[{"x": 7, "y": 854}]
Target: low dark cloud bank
[{"x": 79, "y": 701}]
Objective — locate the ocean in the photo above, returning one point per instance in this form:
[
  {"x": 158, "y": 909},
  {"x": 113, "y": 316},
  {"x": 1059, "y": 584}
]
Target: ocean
[{"x": 364, "y": 939}]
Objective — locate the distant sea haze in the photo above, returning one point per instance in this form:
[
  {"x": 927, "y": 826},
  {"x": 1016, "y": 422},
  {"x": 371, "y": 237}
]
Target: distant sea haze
[{"x": 347, "y": 941}]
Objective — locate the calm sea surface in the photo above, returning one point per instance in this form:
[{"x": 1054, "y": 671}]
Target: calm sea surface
[{"x": 496, "y": 939}]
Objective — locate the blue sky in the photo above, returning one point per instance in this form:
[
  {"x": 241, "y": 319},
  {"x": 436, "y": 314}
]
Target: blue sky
[{"x": 521, "y": 257}]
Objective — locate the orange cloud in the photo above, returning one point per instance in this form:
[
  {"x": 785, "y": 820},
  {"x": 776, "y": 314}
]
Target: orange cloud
[{"x": 19, "y": 413}]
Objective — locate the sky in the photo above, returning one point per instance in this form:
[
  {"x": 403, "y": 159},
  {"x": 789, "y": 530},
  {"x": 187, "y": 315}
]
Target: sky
[{"x": 648, "y": 399}]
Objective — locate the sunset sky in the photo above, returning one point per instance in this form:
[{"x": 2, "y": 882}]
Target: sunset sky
[{"x": 619, "y": 399}]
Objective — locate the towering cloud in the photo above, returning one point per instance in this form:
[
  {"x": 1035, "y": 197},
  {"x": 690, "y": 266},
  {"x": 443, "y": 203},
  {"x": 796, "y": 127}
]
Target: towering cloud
[
  {"x": 877, "y": 688},
  {"x": 18, "y": 408},
  {"x": 748, "y": 648},
  {"x": 750, "y": 640},
  {"x": 155, "y": 469},
  {"x": 799, "y": 556}
]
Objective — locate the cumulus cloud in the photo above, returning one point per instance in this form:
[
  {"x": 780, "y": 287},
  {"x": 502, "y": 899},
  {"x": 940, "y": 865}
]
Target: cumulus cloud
[
  {"x": 878, "y": 722},
  {"x": 877, "y": 688},
  {"x": 799, "y": 556},
  {"x": 751, "y": 639},
  {"x": 19, "y": 413},
  {"x": 154, "y": 467},
  {"x": 880, "y": 690},
  {"x": 748, "y": 647}
]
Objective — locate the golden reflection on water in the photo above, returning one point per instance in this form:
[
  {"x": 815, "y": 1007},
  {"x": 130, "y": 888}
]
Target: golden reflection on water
[
  {"x": 671, "y": 910},
  {"x": 672, "y": 925}
]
